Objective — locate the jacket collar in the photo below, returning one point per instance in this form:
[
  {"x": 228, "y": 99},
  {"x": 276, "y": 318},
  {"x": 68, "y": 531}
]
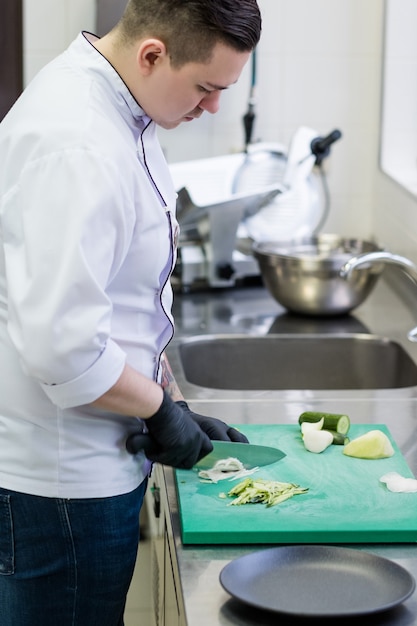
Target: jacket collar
[{"x": 89, "y": 57}]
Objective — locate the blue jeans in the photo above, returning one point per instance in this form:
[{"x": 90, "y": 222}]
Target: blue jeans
[{"x": 67, "y": 562}]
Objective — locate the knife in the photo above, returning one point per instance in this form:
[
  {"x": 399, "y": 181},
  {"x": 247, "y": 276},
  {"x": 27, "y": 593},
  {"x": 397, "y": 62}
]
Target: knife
[{"x": 250, "y": 455}]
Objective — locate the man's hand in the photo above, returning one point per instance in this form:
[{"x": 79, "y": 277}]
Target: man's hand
[
  {"x": 213, "y": 427},
  {"x": 181, "y": 442}
]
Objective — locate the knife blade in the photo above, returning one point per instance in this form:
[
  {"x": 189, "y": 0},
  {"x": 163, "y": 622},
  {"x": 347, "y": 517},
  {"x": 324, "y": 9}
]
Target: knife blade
[{"x": 250, "y": 455}]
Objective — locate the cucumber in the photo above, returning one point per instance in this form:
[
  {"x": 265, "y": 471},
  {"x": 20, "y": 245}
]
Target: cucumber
[
  {"x": 339, "y": 439},
  {"x": 338, "y": 422}
]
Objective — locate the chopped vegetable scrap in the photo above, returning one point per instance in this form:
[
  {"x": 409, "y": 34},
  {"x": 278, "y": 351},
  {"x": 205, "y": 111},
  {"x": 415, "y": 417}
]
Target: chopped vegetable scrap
[
  {"x": 399, "y": 484},
  {"x": 224, "y": 469},
  {"x": 269, "y": 492}
]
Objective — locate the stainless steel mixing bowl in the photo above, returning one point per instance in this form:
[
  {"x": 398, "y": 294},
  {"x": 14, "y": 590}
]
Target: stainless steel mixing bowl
[{"x": 303, "y": 275}]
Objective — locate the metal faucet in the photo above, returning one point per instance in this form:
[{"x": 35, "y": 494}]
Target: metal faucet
[{"x": 370, "y": 258}]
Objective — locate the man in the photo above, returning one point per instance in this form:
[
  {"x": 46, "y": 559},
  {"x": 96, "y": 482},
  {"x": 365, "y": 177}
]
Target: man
[{"x": 88, "y": 235}]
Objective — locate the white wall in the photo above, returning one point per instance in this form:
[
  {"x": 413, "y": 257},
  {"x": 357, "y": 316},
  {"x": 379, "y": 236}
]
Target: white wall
[
  {"x": 396, "y": 209},
  {"x": 319, "y": 65},
  {"x": 49, "y": 26},
  {"x": 399, "y": 119}
]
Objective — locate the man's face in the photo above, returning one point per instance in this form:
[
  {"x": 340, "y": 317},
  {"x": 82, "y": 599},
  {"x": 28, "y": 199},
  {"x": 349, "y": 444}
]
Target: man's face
[{"x": 180, "y": 95}]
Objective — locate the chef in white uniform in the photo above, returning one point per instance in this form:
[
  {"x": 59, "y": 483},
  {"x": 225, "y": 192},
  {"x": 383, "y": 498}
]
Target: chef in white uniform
[{"x": 88, "y": 243}]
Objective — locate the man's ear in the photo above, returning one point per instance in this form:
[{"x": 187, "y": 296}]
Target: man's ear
[{"x": 150, "y": 53}]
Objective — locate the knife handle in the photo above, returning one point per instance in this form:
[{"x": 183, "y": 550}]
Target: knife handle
[{"x": 138, "y": 442}]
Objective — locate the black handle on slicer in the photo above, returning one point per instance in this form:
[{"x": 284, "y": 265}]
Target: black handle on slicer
[{"x": 320, "y": 146}]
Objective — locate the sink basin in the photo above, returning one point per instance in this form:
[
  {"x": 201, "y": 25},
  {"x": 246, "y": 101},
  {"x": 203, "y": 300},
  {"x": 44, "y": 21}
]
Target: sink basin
[{"x": 293, "y": 361}]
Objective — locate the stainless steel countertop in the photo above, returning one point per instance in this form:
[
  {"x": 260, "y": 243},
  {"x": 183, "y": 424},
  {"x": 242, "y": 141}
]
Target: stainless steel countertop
[{"x": 251, "y": 310}]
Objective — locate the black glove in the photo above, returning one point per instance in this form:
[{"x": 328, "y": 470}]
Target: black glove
[
  {"x": 214, "y": 428},
  {"x": 179, "y": 441}
]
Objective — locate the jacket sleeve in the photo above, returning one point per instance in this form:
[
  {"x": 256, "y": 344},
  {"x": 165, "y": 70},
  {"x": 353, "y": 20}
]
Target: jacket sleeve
[{"x": 66, "y": 227}]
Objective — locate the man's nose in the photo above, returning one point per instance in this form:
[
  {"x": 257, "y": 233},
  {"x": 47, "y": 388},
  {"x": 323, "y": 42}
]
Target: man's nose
[{"x": 211, "y": 102}]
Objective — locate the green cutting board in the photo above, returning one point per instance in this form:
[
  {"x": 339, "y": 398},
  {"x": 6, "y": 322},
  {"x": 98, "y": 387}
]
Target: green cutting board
[{"x": 346, "y": 502}]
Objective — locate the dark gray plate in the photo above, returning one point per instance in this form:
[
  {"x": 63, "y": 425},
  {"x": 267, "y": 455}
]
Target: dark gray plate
[{"x": 317, "y": 581}]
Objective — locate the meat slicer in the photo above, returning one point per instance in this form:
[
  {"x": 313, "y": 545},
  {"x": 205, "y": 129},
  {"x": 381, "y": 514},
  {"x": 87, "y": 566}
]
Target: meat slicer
[{"x": 226, "y": 203}]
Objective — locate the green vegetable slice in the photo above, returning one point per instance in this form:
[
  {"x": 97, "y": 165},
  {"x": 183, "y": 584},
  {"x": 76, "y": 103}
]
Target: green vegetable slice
[
  {"x": 269, "y": 492},
  {"x": 339, "y": 439}
]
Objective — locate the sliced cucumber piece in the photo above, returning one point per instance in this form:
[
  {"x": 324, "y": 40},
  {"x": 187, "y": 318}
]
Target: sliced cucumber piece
[
  {"x": 338, "y": 422},
  {"x": 339, "y": 439}
]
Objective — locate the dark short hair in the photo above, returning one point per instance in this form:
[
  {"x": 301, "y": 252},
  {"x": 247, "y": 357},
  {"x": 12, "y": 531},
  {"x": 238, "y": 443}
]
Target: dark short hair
[{"x": 191, "y": 28}]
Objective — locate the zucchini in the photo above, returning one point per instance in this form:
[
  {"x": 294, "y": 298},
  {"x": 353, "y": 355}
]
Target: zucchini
[
  {"x": 338, "y": 422},
  {"x": 339, "y": 439}
]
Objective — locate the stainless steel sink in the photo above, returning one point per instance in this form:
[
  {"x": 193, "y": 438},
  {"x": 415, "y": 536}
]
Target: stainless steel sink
[{"x": 293, "y": 361}]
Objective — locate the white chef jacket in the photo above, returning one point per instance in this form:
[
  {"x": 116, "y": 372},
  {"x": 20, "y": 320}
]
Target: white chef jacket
[{"x": 87, "y": 227}]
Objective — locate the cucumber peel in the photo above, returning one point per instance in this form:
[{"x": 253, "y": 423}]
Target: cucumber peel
[{"x": 269, "y": 492}]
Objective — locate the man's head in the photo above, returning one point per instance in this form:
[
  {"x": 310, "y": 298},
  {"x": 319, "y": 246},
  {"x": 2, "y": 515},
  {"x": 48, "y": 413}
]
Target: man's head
[
  {"x": 191, "y": 28},
  {"x": 177, "y": 56}
]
